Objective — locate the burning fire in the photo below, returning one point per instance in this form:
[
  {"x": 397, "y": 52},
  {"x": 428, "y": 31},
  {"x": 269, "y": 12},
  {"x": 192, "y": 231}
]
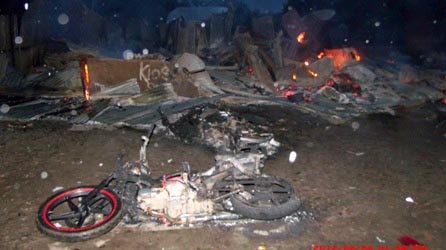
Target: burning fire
[
  {"x": 85, "y": 80},
  {"x": 314, "y": 74},
  {"x": 294, "y": 76},
  {"x": 301, "y": 37},
  {"x": 307, "y": 63},
  {"x": 341, "y": 56}
]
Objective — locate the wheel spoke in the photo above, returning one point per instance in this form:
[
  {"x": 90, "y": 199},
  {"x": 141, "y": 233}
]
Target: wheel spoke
[
  {"x": 78, "y": 214},
  {"x": 81, "y": 220},
  {"x": 93, "y": 201},
  {"x": 63, "y": 216},
  {"x": 72, "y": 206},
  {"x": 99, "y": 208}
]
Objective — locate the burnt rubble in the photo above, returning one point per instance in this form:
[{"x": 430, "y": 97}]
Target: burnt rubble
[{"x": 204, "y": 57}]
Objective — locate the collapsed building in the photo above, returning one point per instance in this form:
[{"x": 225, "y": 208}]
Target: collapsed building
[{"x": 92, "y": 61}]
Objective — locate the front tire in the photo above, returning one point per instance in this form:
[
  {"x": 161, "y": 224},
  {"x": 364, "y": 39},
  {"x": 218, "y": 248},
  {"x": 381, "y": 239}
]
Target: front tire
[
  {"x": 63, "y": 218},
  {"x": 265, "y": 198}
]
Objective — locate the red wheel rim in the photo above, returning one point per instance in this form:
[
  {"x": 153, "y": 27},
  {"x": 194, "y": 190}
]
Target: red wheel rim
[{"x": 49, "y": 205}]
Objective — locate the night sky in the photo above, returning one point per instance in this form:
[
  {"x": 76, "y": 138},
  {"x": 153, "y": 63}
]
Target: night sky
[{"x": 415, "y": 26}]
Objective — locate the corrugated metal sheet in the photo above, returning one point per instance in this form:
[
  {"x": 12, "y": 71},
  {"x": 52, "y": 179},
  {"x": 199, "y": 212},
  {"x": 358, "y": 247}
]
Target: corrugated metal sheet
[
  {"x": 68, "y": 78},
  {"x": 146, "y": 114},
  {"x": 75, "y": 111},
  {"x": 12, "y": 79},
  {"x": 112, "y": 115},
  {"x": 30, "y": 109}
]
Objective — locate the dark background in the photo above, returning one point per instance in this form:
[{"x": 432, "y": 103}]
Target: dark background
[{"x": 415, "y": 27}]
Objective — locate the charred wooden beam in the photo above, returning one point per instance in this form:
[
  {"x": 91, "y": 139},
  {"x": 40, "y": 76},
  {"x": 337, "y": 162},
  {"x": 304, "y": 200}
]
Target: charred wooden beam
[{"x": 252, "y": 56}]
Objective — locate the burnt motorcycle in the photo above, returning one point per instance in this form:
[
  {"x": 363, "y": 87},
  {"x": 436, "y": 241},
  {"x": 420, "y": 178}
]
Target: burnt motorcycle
[{"x": 234, "y": 188}]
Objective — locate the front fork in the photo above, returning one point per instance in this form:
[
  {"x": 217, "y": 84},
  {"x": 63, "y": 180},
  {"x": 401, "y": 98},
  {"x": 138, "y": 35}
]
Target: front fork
[
  {"x": 96, "y": 190},
  {"x": 103, "y": 184}
]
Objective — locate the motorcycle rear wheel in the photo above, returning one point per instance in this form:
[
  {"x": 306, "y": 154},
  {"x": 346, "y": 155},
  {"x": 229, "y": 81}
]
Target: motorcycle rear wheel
[
  {"x": 63, "y": 218},
  {"x": 265, "y": 198}
]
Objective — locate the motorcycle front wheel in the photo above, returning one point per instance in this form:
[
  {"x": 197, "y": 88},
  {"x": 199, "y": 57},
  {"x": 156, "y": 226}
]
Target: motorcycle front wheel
[
  {"x": 265, "y": 198},
  {"x": 65, "y": 218}
]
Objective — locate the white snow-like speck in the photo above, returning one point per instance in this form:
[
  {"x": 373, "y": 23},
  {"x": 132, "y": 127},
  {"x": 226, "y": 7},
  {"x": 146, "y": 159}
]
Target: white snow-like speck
[
  {"x": 127, "y": 54},
  {"x": 4, "y": 108},
  {"x": 18, "y": 40},
  {"x": 43, "y": 175},
  {"x": 63, "y": 19},
  {"x": 355, "y": 126},
  {"x": 409, "y": 199},
  {"x": 293, "y": 156}
]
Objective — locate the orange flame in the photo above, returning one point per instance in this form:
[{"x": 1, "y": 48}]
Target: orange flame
[
  {"x": 322, "y": 54},
  {"x": 300, "y": 38},
  {"x": 86, "y": 80},
  {"x": 342, "y": 57},
  {"x": 294, "y": 76},
  {"x": 355, "y": 55},
  {"x": 314, "y": 74}
]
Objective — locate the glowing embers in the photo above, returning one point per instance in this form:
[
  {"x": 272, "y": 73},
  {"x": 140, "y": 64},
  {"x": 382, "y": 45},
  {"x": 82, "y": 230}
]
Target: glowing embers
[
  {"x": 301, "y": 37},
  {"x": 312, "y": 73},
  {"x": 295, "y": 93},
  {"x": 250, "y": 70},
  {"x": 85, "y": 80},
  {"x": 344, "y": 83},
  {"x": 294, "y": 76}
]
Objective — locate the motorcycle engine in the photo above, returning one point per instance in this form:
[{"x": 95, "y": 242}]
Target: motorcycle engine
[{"x": 176, "y": 201}]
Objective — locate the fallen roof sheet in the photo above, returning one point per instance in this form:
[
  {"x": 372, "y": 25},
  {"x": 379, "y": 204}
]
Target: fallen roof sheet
[{"x": 146, "y": 114}]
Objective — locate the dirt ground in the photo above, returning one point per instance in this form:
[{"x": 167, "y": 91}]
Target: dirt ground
[{"x": 354, "y": 182}]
